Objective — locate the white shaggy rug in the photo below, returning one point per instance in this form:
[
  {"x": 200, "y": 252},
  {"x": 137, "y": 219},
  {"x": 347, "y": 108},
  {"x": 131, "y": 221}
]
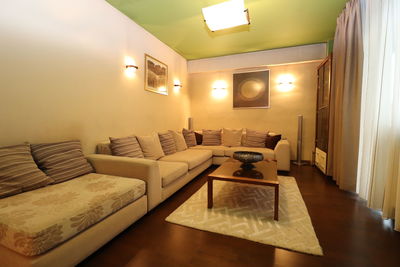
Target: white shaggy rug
[{"x": 246, "y": 211}]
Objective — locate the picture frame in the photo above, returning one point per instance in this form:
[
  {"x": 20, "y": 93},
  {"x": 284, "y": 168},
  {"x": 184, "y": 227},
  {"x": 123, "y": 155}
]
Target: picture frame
[
  {"x": 156, "y": 75},
  {"x": 251, "y": 89}
]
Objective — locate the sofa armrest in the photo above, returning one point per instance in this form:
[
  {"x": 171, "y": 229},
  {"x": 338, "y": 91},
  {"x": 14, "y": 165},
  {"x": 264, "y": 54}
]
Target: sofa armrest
[
  {"x": 282, "y": 155},
  {"x": 144, "y": 169}
]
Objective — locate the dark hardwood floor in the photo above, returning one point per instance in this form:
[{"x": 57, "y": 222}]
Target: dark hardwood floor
[{"x": 349, "y": 233}]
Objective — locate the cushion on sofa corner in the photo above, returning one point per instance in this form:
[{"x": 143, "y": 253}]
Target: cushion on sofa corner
[
  {"x": 231, "y": 137},
  {"x": 19, "y": 172},
  {"x": 211, "y": 137},
  {"x": 151, "y": 146},
  {"x": 189, "y": 136},
  {"x": 167, "y": 142},
  {"x": 272, "y": 140},
  {"x": 61, "y": 160},
  {"x": 255, "y": 138},
  {"x": 126, "y": 147}
]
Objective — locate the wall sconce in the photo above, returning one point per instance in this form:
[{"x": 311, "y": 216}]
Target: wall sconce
[
  {"x": 177, "y": 86},
  {"x": 130, "y": 67},
  {"x": 219, "y": 89},
  {"x": 285, "y": 82}
]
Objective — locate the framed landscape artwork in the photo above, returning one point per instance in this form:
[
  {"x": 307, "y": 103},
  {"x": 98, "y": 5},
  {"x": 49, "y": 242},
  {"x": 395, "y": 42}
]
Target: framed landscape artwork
[
  {"x": 156, "y": 75},
  {"x": 251, "y": 89}
]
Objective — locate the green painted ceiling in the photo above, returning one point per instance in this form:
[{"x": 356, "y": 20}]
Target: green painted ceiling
[{"x": 274, "y": 24}]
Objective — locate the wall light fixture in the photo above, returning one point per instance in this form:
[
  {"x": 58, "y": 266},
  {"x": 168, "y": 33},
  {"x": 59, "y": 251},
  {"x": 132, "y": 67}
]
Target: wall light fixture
[{"x": 285, "y": 82}]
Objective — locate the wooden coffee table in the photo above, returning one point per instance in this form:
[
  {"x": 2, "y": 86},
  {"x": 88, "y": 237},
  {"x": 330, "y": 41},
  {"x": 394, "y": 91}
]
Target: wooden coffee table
[{"x": 264, "y": 173}]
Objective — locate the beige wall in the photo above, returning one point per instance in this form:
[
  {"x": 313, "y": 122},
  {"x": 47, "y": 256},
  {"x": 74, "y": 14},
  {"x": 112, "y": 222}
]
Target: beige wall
[
  {"x": 61, "y": 74},
  {"x": 211, "y": 113}
]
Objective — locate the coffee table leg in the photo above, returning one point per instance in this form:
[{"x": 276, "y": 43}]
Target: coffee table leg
[
  {"x": 276, "y": 209},
  {"x": 210, "y": 192}
]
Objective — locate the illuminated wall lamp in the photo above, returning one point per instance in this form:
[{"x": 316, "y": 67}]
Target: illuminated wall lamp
[
  {"x": 285, "y": 83},
  {"x": 177, "y": 87},
  {"x": 130, "y": 70},
  {"x": 219, "y": 89}
]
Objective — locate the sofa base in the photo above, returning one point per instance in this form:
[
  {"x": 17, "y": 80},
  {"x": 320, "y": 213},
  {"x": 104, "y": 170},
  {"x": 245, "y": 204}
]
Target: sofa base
[
  {"x": 179, "y": 183},
  {"x": 82, "y": 245}
]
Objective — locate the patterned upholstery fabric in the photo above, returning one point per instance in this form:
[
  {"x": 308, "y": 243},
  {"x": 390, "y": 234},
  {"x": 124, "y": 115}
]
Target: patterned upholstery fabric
[
  {"x": 167, "y": 143},
  {"x": 34, "y": 222},
  {"x": 126, "y": 147},
  {"x": 61, "y": 161},
  {"x": 255, "y": 138},
  {"x": 19, "y": 172},
  {"x": 190, "y": 137},
  {"x": 211, "y": 137}
]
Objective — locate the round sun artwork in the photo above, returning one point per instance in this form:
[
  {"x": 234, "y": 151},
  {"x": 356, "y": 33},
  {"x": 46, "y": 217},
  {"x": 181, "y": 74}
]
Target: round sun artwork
[{"x": 251, "y": 89}]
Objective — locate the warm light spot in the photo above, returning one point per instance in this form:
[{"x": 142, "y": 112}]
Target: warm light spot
[
  {"x": 162, "y": 89},
  {"x": 177, "y": 86},
  {"x": 219, "y": 89},
  {"x": 130, "y": 71},
  {"x": 285, "y": 82}
]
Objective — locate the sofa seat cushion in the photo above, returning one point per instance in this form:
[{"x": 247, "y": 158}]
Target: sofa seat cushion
[
  {"x": 171, "y": 171},
  {"x": 268, "y": 153},
  {"x": 218, "y": 151},
  {"x": 33, "y": 222},
  {"x": 192, "y": 157}
]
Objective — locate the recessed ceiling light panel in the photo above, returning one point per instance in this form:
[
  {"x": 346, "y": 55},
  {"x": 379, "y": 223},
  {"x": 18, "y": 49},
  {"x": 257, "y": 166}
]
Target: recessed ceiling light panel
[{"x": 226, "y": 15}]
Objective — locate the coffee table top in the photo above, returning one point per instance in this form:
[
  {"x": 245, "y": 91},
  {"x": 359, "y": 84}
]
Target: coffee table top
[{"x": 265, "y": 172}]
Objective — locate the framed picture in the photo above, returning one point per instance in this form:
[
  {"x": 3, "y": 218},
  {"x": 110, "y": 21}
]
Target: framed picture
[
  {"x": 251, "y": 89},
  {"x": 156, "y": 75}
]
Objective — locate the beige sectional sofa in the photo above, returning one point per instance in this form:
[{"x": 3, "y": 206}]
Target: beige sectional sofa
[
  {"x": 171, "y": 172},
  {"x": 61, "y": 224},
  {"x": 281, "y": 153}
]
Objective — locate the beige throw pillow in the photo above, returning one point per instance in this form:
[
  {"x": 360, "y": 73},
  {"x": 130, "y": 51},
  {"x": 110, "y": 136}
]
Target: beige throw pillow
[
  {"x": 255, "y": 138},
  {"x": 19, "y": 172},
  {"x": 167, "y": 142},
  {"x": 151, "y": 146},
  {"x": 126, "y": 147},
  {"x": 231, "y": 137},
  {"x": 180, "y": 142},
  {"x": 211, "y": 137}
]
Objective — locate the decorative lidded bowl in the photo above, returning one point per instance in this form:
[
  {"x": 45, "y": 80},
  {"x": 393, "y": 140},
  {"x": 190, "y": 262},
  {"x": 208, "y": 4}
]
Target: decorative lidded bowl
[{"x": 247, "y": 158}]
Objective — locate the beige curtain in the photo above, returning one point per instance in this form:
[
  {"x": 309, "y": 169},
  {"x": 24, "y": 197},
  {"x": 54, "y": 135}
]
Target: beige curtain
[
  {"x": 379, "y": 157},
  {"x": 346, "y": 97}
]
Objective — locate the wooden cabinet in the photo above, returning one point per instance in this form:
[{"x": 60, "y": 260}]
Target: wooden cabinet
[{"x": 322, "y": 121}]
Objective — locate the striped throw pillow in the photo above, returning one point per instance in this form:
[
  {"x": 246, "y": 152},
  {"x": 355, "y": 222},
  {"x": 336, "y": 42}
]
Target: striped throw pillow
[
  {"x": 190, "y": 137},
  {"x": 255, "y": 138},
  {"x": 126, "y": 147},
  {"x": 61, "y": 161},
  {"x": 211, "y": 138},
  {"x": 167, "y": 143},
  {"x": 19, "y": 172}
]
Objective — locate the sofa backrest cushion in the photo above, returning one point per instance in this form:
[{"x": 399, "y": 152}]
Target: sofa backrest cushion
[
  {"x": 255, "y": 138},
  {"x": 126, "y": 147},
  {"x": 167, "y": 142},
  {"x": 180, "y": 142},
  {"x": 231, "y": 137},
  {"x": 190, "y": 137},
  {"x": 272, "y": 140},
  {"x": 61, "y": 161},
  {"x": 19, "y": 172},
  {"x": 151, "y": 146},
  {"x": 211, "y": 137}
]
